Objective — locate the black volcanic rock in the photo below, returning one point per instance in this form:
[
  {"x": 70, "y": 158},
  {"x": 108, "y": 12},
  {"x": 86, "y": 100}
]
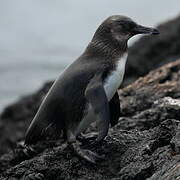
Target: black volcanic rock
[
  {"x": 16, "y": 118},
  {"x": 143, "y": 145},
  {"x": 146, "y": 54}
]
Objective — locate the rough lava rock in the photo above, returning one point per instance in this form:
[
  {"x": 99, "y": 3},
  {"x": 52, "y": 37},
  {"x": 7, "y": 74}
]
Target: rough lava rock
[
  {"x": 146, "y": 54},
  {"x": 16, "y": 118},
  {"x": 143, "y": 145}
]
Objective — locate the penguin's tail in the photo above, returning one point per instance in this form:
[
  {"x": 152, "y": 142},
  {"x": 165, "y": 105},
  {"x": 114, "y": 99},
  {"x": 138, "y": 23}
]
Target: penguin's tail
[
  {"x": 36, "y": 130},
  {"x": 45, "y": 119}
]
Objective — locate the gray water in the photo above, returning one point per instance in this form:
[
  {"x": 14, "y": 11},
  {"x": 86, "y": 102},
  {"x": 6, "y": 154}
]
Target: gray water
[{"x": 39, "y": 38}]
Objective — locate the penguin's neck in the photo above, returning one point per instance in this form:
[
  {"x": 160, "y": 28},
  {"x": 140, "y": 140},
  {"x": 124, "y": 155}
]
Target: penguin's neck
[
  {"x": 106, "y": 48},
  {"x": 114, "y": 55}
]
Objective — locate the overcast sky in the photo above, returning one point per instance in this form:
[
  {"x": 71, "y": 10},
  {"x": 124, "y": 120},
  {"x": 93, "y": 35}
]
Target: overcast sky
[{"x": 32, "y": 26}]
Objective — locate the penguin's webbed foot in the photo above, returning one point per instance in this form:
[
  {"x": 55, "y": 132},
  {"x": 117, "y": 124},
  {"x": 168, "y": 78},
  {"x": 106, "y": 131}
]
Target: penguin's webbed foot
[
  {"x": 92, "y": 156},
  {"x": 87, "y": 138},
  {"x": 29, "y": 151},
  {"x": 86, "y": 154}
]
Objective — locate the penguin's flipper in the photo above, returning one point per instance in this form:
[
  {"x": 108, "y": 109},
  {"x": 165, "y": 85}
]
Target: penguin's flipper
[
  {"x": 114, "y": 106},
  {"x": 96, "y": 96}
]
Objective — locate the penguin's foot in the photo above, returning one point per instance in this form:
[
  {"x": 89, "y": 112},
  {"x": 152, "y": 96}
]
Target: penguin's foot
[
  {"x": 86, "y": 154},
  {"x": 92, "y": 156},
  {"x": 29, "y": 151},
  {"x": 92, "y": 144},
  {"x": 89, "y": 140},
  {"x": 86, "y": 138}
]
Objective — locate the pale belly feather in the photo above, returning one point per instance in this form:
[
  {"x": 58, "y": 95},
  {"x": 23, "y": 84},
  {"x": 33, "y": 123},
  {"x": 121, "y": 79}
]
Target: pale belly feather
[
  {"x": 114, "y": 80},
  {"x": 111, "y": 85}
]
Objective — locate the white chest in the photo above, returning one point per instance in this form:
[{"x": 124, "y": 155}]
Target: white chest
[{"x": 114, "y": 80}]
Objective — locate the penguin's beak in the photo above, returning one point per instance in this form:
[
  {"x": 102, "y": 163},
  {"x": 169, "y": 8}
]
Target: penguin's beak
[{"x": 145, "y": 30}]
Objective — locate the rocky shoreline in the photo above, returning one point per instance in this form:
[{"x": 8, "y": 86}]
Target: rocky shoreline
[{"x": 145, "y": 144}]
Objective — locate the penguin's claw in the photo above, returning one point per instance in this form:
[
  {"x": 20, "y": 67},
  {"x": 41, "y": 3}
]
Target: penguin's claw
[
  {"x": 86, "y": 138},
  {"x": 92, "y": 156},
  {"x": 92, "y": 144},
  {"x": 85, "y": 153},
  {"x": 89, "y": 156}
]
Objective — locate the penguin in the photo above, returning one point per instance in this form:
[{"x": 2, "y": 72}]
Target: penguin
[{"x": 87, "y": 89}]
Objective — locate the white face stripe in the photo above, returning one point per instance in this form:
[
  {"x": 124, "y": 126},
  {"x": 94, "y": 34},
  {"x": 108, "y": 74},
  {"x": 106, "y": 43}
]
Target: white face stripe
[{"x": 114, "y": 80}]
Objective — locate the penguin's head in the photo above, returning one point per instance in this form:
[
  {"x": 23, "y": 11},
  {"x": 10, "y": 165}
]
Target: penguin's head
[{"x": 122, "y": 28}]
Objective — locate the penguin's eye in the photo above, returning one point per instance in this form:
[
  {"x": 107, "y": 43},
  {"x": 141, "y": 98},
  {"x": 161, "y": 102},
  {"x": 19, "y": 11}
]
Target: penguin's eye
[{"x": 126, "y": 25}]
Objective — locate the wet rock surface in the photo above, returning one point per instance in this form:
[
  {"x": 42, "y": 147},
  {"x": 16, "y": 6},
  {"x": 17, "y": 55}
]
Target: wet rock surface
[{"x": 143, "y": 145}]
